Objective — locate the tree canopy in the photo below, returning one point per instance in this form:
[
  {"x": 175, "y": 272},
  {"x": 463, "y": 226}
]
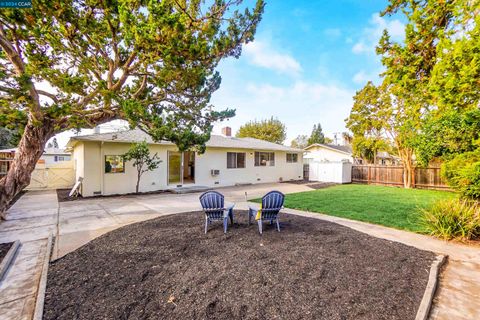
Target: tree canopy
[
  {"x": 79, "y": 63},
  {"x": 272, "y": 130},
  {"x": 433, "y": 70},
  {"x": 300, "y": 142}
]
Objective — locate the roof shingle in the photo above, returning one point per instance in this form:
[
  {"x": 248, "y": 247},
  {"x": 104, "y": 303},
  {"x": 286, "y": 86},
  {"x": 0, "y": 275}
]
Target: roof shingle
[{"x": 216, "y": 141}]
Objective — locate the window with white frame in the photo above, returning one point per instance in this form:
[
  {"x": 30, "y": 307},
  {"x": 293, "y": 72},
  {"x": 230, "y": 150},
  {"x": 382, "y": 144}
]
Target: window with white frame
[
  {"x": 264, "y": 159},
  {"x": 292, "y": 157},
  {"x": 114, "y": 164},
  {"x": 235, "y": 160}
]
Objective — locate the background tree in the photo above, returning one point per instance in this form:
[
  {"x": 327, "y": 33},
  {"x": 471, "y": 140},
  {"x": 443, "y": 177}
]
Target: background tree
[
  {"x": 151, "y": 63},
  {"x": 317, "y": 135},
  {"x": 300, "y": 142},
  {"x": 272, "y": 130},
  {"x": 8, "y": 138},
  {"x": 366, "y": 123},
  {"x": 142, "y": 161}
]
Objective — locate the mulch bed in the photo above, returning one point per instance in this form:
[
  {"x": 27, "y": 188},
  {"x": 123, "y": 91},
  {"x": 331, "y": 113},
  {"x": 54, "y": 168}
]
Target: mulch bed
[
  {"x": 4, "y": 247},
  {"x": 167, "y": 268},
  {"x": 62, "y": 195}
]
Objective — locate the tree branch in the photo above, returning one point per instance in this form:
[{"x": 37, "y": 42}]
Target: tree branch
[{"x": 17, "y": 62}]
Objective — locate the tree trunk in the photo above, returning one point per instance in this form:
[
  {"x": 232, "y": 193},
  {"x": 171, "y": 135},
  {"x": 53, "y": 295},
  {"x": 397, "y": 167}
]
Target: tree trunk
[
  {"x": 408, "y": 168},
  {"x": 137, "y": 187},
  {"x": 30, "y": 149}
]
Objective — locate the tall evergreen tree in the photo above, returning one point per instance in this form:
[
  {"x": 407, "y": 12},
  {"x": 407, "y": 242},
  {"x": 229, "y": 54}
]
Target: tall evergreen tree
[
  {"x": 152, "y": 63},
  {"x": 317, "y": 135}
]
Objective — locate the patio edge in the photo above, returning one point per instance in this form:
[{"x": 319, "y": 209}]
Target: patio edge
[
  {"x": 427, "y": 300},
  {"x": 42, "y": 286},
  {"x": 8, "y": 259}
]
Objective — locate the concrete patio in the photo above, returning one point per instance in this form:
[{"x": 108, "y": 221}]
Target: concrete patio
[{"x": 38, "y": 214}]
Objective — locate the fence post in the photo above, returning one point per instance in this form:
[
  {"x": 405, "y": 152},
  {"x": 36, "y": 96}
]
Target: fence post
[
  {"x": 368, "y": 175},
  {"x": 413, "y": 176}
]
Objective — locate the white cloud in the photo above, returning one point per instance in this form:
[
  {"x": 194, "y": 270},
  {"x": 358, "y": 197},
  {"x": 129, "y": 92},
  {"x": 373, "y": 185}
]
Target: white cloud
[
  {"x": 372, "y": 33},
  {"x": 299, "y": 105},
  {"x": 261, "y": 54}
]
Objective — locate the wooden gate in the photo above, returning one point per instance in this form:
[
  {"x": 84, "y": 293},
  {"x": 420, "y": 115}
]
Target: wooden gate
[{"x": 61, "y": 175}]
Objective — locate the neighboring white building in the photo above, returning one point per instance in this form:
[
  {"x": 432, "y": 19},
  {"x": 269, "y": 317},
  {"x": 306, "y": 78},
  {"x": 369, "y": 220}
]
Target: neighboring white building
[
  {"x": 328, "y": 153},
  {"x": 227, "y": 161},
  {"x": 50, "y": 156},
  {"x": 329, "y": 162}
]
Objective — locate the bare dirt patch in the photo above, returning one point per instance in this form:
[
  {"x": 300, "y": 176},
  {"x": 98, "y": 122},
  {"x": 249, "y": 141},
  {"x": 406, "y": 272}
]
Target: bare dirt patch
[
  {"x": 62, "y": 195},
  {"x": 167, "y": 268}
]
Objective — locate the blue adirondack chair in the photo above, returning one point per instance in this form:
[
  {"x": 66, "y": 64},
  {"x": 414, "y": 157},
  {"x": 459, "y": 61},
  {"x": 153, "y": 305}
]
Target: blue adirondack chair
[
  {"x": 272, "y": 203},
  {"x": 213, "y": 204}
]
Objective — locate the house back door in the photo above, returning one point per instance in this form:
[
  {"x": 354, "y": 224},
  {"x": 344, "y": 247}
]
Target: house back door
[
  {"x": 174, "y": 167},
  {"x": 181, "y": 167}
]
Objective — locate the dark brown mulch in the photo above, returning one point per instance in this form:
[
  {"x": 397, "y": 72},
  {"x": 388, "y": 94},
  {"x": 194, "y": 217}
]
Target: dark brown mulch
[
  {"x": 4, "y": 247},
  {"x": 167, "y": 268},
  {"x": 62, "y": 195}
]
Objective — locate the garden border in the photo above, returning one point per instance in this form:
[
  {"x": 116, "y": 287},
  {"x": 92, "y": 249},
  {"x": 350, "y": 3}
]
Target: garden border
[
  {"x": 427, "y": 300},
  {"x": 8, "y": 259},
  {"x": 42, "y": 286}
]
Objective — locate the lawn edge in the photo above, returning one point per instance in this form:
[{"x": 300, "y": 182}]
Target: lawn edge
[
  {"x": 427, "y": 300},
  {"x": 42, "y": 286},
  {"x": 8, "y": 259}
]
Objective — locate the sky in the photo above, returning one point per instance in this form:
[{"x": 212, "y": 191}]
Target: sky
[{"x": 306, "y": 63}]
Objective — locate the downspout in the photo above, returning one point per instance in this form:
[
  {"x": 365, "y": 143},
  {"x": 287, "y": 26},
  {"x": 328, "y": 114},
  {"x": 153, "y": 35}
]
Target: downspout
[{"x": 102, "y": 168}]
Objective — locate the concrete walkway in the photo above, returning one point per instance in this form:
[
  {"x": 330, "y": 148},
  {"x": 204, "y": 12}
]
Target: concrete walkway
[{"x": 37, "y": 214}]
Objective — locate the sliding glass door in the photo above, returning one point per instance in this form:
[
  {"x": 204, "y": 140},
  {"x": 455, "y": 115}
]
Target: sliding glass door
[{"x": 181, "y": 167}]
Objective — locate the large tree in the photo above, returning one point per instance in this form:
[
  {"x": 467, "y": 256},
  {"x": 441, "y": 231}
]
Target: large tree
[
  {"x": 272, "y": 130},
  {"x": 405, "y": 93},
  {"x": 79, "y": 63}
]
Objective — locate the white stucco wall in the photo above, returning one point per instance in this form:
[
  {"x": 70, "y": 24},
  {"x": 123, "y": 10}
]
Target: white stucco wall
[
  {"x": 325, "y": 154},
  {"x": 89, "y": 157},
  {"x": 216, "y": 158}
]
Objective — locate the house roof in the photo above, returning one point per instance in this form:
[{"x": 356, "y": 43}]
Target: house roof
[
  {"x": 47, "y": 151},
  {"x": 342, "y": 149},
  {"x": 216, "y": 141},
  {"x": 55, "y": 151}
]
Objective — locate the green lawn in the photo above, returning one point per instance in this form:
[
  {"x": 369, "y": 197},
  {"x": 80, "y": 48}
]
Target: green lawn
[{"x": 388, "y": 206}]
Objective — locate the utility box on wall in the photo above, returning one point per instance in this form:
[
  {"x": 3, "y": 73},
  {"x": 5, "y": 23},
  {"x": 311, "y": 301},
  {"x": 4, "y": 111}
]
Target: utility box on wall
[{"x": 337, "y": 172}]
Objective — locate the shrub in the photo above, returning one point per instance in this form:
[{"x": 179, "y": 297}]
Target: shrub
[
  {"x": 463, "y": 173},
  {"x": 450, "y": 219}
]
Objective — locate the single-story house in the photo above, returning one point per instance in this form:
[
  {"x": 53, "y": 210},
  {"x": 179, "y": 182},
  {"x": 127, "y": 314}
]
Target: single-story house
[
  {"x": 227, "y": 161},
  {"x": 322, "y": 152},
  {"x": 386, "y": 159}
]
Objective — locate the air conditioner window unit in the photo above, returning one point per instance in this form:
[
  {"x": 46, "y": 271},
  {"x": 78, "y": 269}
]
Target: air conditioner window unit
[{"x": 214, "y": 172}]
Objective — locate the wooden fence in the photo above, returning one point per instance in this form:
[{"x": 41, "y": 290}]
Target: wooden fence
[{"x": 425, "y": 178}]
